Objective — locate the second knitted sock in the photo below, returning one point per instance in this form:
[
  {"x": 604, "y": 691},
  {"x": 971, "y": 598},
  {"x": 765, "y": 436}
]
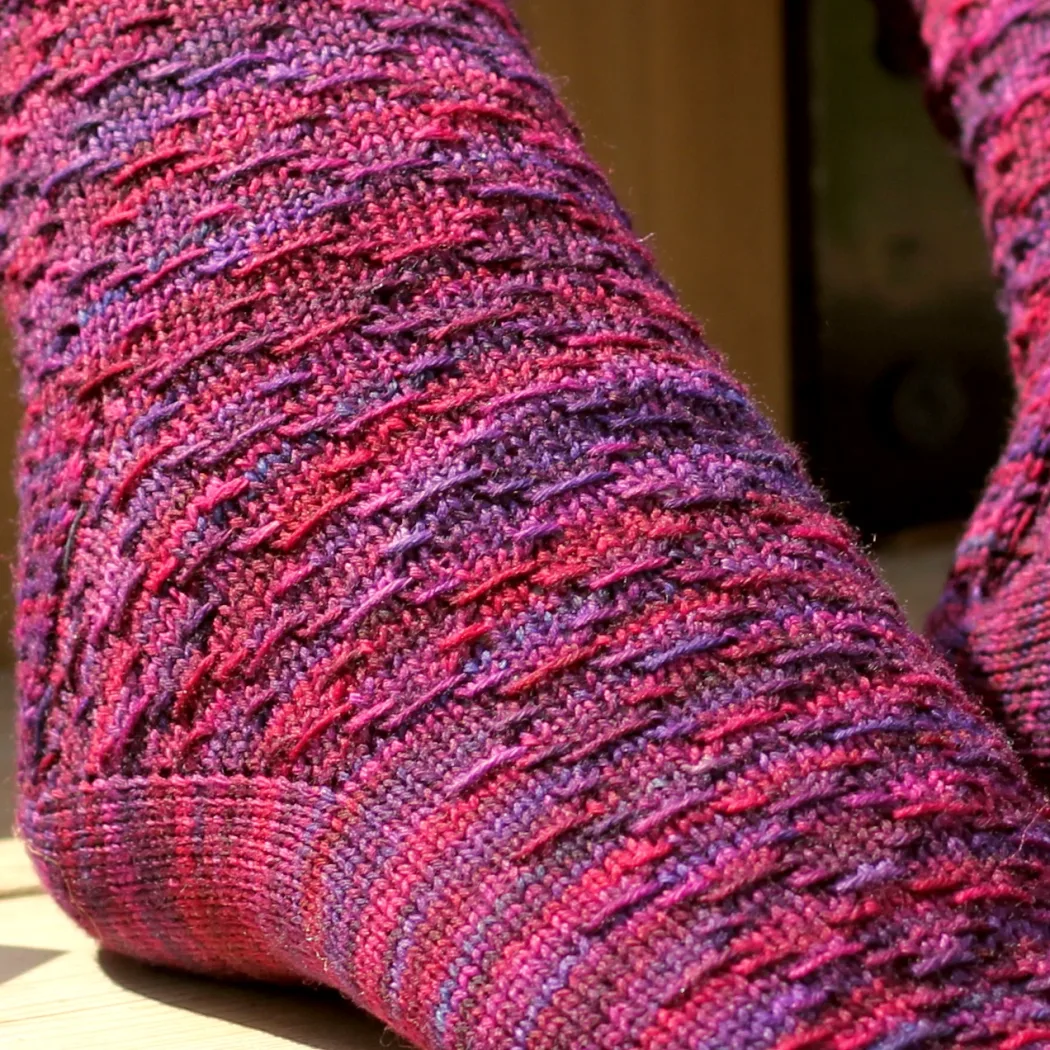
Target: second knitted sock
[{"x": 989, "y": 69}]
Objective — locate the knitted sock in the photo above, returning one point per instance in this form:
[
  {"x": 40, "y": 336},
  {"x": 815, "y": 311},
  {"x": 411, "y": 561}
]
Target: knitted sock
[
  {"x": 410, "y": 602},
  {"x": 989, "y": 69}
]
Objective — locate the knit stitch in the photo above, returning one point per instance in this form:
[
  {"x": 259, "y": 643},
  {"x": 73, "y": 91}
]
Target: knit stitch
[
  {"x": 988, "y": 70},
  {"x": 410, "y": 601}
]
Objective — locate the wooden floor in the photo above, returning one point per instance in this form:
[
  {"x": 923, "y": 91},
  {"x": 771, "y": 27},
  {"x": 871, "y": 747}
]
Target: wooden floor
[
  {"x": 59, "y": 992},
  {"x": 7, "y": 752}
]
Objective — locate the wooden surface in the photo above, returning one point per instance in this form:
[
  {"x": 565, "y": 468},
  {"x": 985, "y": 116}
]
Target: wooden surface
[{"x": 59, "y": 992}]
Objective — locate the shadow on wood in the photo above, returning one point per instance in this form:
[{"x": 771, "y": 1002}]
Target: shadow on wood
[{"x": 308, "y": 1017}]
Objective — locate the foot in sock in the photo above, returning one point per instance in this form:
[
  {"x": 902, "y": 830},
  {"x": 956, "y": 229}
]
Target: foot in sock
[
  {"x": 988, "y": 69},
  {"x": 408, "y": 599}
]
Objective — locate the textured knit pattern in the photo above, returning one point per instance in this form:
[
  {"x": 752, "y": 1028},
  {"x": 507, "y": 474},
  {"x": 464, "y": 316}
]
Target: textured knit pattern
[
  {"x": 989, "y": 69},
  {"x": 410, "y": 602}
]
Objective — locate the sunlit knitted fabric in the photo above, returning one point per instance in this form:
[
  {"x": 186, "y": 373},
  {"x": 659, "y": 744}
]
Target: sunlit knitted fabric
[
  {"x": 410, "y": 602},
  {"x": 989, "y": 70}
]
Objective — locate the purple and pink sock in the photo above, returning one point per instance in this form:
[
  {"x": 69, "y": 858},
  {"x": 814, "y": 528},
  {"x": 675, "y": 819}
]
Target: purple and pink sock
[{"x": 410, "y": 601}]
